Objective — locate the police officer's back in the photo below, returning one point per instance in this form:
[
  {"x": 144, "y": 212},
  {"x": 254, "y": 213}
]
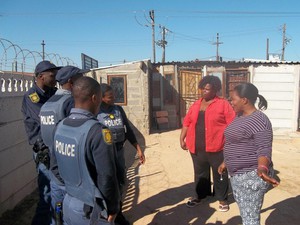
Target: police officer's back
[
  {"x": 59, "y": 105},
  {"x": 33, "y": 100},
  {"x": 86, "y": 160},
  {"x": 52, "y": 112}
]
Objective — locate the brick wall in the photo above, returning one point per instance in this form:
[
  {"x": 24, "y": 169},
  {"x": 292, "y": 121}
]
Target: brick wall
[{"x": 137, "y": 82}]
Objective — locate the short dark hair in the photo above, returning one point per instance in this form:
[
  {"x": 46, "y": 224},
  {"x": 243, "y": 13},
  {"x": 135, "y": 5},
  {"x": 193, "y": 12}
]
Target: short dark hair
[
  {"x": 105, "y": 88},
  {"x": 84, "y": 88},
  {"x": 214, "y": 81}
]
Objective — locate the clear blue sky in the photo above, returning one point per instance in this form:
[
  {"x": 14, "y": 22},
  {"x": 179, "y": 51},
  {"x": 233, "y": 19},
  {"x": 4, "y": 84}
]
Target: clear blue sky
[{"x": 115, "y": 30}]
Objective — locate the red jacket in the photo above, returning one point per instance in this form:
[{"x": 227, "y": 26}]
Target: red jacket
[{"x": 217, "y": 116}]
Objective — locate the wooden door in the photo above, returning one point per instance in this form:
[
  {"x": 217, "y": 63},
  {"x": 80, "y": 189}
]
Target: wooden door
[
  {"x": 235, "y": 77},
  {"x": 188, "y": 89}
]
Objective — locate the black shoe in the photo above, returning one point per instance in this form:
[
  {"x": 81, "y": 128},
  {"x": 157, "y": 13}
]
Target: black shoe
[{"x": 121, "y": 220}]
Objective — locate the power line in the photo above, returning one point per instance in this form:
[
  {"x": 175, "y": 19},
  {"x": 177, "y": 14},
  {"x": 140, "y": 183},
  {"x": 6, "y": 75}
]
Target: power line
[
  {"x": 246, "y": 32},
  {"x": 189, "y": 37},
  {"x": 177, "y": 13},
  {"x": 232, "y": 12}
]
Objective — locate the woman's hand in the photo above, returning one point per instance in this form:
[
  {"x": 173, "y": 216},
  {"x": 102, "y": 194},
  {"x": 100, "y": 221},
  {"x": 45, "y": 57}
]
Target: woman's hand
[
  {"x": 263, "y": 175},
  {"x": 140, "y": 154},
  {"x": 111, "y": 217},
  {"x": 222, "y": 168},
  {"x": 182, "y": 138},
  {"x": 183, "y": 145}
]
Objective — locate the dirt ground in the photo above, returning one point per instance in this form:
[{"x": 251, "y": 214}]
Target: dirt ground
[{"x": 157, "y": 191}]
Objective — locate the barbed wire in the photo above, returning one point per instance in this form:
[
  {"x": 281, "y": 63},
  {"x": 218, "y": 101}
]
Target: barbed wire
[{"x": 17, "y": 59}]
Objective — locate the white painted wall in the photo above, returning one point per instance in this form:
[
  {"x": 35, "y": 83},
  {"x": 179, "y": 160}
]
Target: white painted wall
[
  {"x": 280, "y": 86},
  {"x": 17, "y": 169}
]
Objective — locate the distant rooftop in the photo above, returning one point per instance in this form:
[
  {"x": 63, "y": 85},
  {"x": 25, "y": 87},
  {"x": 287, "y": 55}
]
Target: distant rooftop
[{"x": 244, "y": 61}]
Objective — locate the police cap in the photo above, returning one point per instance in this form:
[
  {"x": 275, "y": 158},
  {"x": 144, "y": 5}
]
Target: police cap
[
  {"x": 67, "y": 72},
  {"x": 44, "y": 66}
]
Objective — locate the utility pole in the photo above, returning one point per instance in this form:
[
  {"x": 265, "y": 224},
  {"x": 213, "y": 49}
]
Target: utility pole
[
  {"x": 217, "y": 44},
  {"x": 151, "y": 13},
  {"x": 267, "y": 56},
  {"x": 43, "y": 47},
  {"x": 162, "y": 43},
  {"x": 284, "y": 41}
]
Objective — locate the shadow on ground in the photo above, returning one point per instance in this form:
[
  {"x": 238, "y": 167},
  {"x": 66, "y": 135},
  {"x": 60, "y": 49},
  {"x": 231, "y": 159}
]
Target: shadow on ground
[
  {"x": 176, "y": 212},
  {"x": 23, "y": 213},
  {"x": 166, "y": 207},
  {"x": 284, "y": 212}
]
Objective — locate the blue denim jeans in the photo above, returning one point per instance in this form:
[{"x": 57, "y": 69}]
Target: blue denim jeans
[{"x": 43, "y": 210}]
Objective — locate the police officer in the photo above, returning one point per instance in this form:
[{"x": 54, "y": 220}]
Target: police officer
[
  {"x": 86, "y": 160},
  {"x": 53, "y": 111},
  {"x": 33, "y": 100},
  {"x": 114, "y": 117}
]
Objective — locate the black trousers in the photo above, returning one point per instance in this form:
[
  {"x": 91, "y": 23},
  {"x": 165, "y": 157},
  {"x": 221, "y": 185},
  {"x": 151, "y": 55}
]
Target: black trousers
[{"x": 204, "y": 163}]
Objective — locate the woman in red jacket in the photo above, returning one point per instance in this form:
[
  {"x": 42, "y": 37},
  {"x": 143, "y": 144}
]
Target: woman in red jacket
[{"x": 203, "y": 135}]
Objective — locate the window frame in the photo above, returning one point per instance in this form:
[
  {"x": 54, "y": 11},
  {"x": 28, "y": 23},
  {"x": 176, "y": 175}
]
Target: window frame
[{"x": 124, "y": 77}]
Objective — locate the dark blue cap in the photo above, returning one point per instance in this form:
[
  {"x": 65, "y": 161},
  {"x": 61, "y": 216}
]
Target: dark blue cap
[
  {"x": 67, "y": 72},
  {"x": 44, "y": 66}
]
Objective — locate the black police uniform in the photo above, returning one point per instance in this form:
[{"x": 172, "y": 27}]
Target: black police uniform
[
  {"x": 116, "y": 120},
  {"x": 33, "y": 100},
  {"x": 86, "y": 157},
  {"x": 114, "y": 117},
  {"x": 52, "y": 112}
]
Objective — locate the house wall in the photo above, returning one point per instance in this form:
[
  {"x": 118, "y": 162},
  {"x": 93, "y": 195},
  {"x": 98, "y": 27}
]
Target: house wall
[
  {"x": 280, "y": 86},
  {"x": 165, "y": 96},
  {"x": 278, "y": 83},
  {"x": 17, "y": 168},
  {"x": 138, "y": 98}
]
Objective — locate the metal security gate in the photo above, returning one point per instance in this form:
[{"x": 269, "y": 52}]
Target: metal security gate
[
  {"x": 188, "y": 89},
  {"x": 234, "y": 78}
]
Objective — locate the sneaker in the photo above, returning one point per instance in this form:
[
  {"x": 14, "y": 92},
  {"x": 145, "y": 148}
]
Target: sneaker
[
  {"x": 121, "y": 220},
  {"x": 193, "y": 202},
  {"x": 223, "y": 208}
]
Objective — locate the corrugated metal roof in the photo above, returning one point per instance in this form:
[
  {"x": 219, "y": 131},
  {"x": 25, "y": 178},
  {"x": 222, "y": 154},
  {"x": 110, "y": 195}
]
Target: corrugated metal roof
[
  {"x": 245, "y": 62},
  {"x": 121, "y": 64}
]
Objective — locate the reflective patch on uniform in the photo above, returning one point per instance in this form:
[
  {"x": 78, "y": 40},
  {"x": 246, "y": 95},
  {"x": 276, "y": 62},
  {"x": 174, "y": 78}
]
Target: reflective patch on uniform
[
  {"x": 34, "y": 97},
  {"x": 107, "y": 136}
]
